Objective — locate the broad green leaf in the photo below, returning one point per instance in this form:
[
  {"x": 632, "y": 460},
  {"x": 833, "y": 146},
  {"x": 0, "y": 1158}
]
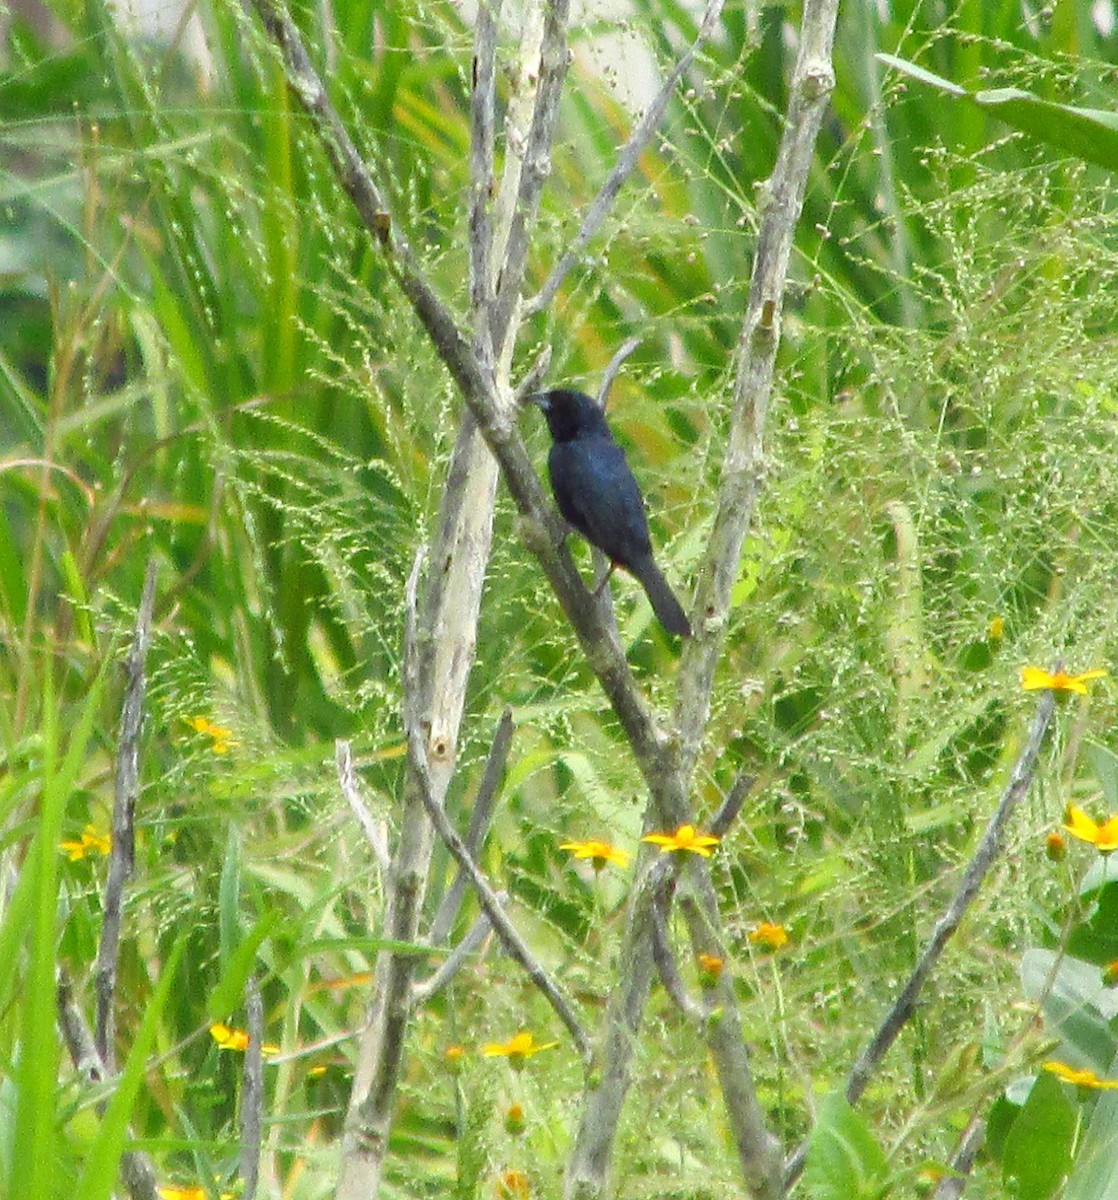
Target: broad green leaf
[
  {"x": 1090, "y": 134},
  {"x": 844, "y": 1160},
  {"x": 1095, "y": 940},
  {"x": 1037, "y": 1152},
  {"x": 1075, "y": 1004},
  {"x": 1093, "y": 1176},
  {"x": 1104, "y": 763}
]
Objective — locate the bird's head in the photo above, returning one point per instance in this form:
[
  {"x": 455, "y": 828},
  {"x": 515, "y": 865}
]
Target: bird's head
[{"x": 570, "y": 414}]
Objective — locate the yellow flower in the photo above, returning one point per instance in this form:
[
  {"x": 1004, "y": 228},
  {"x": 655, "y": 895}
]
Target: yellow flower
[
  {"x": 1035, "y": 679},
  {"x": 236, "y": 1039},
  {"x": 454, "y": 1054},
  {"x": 512, "y": 1185},
  {"x": 1084, "y": 1078},
  {"x": 91, "y": 842},
  {"x": 684, "y": 838},
  {"x": 514, "y": 1120},
  {"x": 767, "y": 934},
  {"x": 1104, "y": 836},
  {"x": 710, "y": 969},
  {"x": 599, "y": 853},
  {"x": 517, "y": 1049},
  {"x": 996, "y": 628},
  {"x": 1055, "y": 846},
  {"x": 221, "y": 739},
  {"x": 172, "y": 1191}
]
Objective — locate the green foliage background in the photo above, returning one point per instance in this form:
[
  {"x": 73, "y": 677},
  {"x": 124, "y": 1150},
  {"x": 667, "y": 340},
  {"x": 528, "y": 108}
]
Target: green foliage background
[{"x": 202, "y": 360}]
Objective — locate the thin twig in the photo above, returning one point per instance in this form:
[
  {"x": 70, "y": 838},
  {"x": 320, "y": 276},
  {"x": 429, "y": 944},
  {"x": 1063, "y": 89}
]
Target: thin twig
[
  {"x": 456, "y": 960},
  {"x": 722, "y": 820},
  {"x": 122, "y": 852},
  {"x": 374, "y": 831},
  {"x": 615, "y": 364},
  {"x": 514, "y": 944},
  {"x": 534, "y": 377},
  {"x": 554, "y": 59},
  {"x": 743, "y": 463},
  {"x": 480, "y": 816},
  {"x": 988, "y": 851},
  {"x": 664, "y": 959},
  {"x": 627, "y": 160},
  {"x": 252, "y": 1090},
  {"x": 76, "y": 1033},
  {"x": 951, "y": 1186},
  {"x": 482, "y": 115},
  {"x": 353, "y": 175},
  {"x": 135, "y": 1166}
]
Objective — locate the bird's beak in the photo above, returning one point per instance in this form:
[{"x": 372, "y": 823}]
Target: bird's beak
[{"x": 540, "y": 399}]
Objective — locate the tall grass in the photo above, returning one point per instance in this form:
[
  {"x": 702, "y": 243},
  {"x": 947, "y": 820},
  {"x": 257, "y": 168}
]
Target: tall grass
[{"x": 202, "y": 359}]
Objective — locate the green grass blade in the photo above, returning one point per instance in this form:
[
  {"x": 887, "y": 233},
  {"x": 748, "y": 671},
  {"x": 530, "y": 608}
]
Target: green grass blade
[{"x": 101, "y": 1167}]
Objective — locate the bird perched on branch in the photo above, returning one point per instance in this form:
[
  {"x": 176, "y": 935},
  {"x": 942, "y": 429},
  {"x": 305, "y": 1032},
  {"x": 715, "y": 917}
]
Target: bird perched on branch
[{"x": 597, "y": 494}]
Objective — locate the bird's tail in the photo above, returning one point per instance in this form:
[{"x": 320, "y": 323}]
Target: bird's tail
[{"x": 664, "y": 604}]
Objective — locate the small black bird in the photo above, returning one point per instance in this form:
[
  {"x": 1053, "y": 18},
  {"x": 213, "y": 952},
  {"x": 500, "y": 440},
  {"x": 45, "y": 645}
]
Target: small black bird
[{"x": 597, "y": 494}]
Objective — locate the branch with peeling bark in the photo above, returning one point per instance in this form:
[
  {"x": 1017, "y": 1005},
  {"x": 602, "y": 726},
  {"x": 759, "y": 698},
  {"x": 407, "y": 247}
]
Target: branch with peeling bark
[
  {"x": 499, "y": 249},
  {"x": 512, "y": 940},
  {"x": 121, "y": 853},
  {"x": 988, "y": 851}
]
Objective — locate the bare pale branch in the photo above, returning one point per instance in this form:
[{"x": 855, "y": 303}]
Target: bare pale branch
[
  {"x": 989, "y": 850},
  {"x": 375, "y": 833},
  {"x": 626, "y": 163},
  {"x": 122, "y": 852}
]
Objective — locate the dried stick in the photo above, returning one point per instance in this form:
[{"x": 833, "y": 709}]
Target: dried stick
[
  {"x": 481, "y": 814},
  {"x": 122, "y": 853},
  {"x": 422, "y": 992},
  {"x": 615, "y": 364},
  {"x": 482, "y": 117},
  {"x": 988, "y": 851},
  {"x": 726, "y": 815},
  {"x": 743, "y": 464},
  {"x": 373, "y": 830},
  {"x": 813, "y": 78},
  {"x": 951, "y": 1186},
  {"x": 353, "y": 175},
  {"x": 627, "y": 160},
  {"x": 536, "y": 165},
  {"x": 515, "y": 945},
  {"x": 758, "y": 1150},
  {"x": 664, "y": 959},
  {"x": 534, "y": 376},
  {"x": 252, "y": 1091},
  {"x": 655, "y": 753},
  {"x": 135, "y": 1166}
]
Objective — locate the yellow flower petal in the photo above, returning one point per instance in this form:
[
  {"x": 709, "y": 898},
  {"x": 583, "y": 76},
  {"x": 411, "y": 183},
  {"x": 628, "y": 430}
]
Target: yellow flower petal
[
  {"x": 1080, "y": 1077},
  {"x": 768, "y": 934},
  {"x": 237, "y": 1039},
  {"x": 519, "y": 1047},
  {"x": 684, "y": 838},
  {"x": 1080, "y": 825},
  {"x": 1036, "y": 679},
  {"x": 600, "y": 853}
]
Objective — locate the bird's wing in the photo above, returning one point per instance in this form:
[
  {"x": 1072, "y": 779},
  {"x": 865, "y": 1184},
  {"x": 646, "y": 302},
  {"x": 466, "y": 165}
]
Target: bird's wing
[{"x": 597, "y": 494}]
